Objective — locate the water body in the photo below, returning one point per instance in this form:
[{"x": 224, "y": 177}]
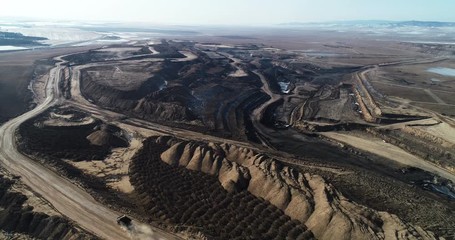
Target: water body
[
  {"x": 443, "y": 71},
  {"x": 163, "y": 86},
  {"x": 11, "y": 48},
  {"x": 444, "y": 190},
  {"x": 284, "y": 87}
]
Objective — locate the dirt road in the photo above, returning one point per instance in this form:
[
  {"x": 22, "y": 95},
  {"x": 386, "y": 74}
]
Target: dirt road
[
  {"x": 66, "y": 197},
  {"x": 389, "y": 151},
  {"x": 258, "y": 112}
]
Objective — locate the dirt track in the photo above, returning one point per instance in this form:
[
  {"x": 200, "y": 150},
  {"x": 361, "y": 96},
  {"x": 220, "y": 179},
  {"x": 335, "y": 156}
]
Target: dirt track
[
  {"x": 66, "y": 197},
  {"x": 257, "y": 114},
  {"x": 389, "y": 151},
  {"x": 75, "y": 202}
]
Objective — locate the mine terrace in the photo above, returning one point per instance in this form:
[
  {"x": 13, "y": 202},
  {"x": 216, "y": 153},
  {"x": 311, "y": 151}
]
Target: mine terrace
[{"x": 228, "y": 138}]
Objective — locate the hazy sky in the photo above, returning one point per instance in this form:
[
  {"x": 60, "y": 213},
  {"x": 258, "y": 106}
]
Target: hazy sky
[{"x": 243, "y": 12}]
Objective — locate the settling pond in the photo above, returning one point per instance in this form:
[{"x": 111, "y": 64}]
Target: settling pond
[{"x": 443, "y": 71}]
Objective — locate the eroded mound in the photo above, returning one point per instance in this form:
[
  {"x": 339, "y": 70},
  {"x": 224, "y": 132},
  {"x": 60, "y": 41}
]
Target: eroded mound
[
  {"x": 17, "y": 217},
  {"x": 303, "y": 197},
  {"x": 198, "y": 202},
  {"x": 106, "y": 137},
  {"x": 91, "y": 140}
]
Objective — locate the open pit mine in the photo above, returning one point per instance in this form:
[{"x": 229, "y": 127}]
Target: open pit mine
[{"x": 226, "y": 138}]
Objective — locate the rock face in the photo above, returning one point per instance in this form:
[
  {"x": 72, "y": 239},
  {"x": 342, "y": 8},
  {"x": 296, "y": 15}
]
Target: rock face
[
  {"x": 302, "y": 196},
  {"x": 153, "y": 106},
  {"x": 231, "y": 175},
  {"x": 199, "y": 202},
  {"x": 420, "y": 142},
  {"x": 200, "y": 93},
  {"x": 17, "y": 218}
]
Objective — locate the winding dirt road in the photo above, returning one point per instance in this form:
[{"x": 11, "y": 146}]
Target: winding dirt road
[
  {"x": 67, "y": 198},
  {"x": 70, "y": 200},
  {"x": 258, "y": 112}
]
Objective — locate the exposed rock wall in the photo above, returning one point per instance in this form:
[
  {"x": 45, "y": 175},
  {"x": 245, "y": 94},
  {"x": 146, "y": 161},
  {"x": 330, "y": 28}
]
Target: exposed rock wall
[
  {"x": 149, "y": 107},
  {"x": 420, "y": 143},
  {"x": 302, "y": 196},
  {"x": 198, "y": 202},
  {"x": 17, "y": 217}
]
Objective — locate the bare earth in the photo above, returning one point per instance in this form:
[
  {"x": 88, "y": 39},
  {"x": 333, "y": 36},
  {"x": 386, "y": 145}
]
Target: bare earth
[
  {"x": 318, "y": 94},
  {"x": 66, "y": 197},
  {"x": 389, "y": 151},
  {"x": 114, "y": 169}
]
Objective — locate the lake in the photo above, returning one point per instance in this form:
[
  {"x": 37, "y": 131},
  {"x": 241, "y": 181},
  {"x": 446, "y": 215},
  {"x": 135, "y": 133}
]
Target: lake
[
  {"x": 11, "y": 48},
  {"x": 443, "y": 71}
]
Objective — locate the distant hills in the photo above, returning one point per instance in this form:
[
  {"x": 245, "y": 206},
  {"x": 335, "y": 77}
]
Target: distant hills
[
  {"x": 423, "y": 24},
  {"x": 375, "y": 23}
]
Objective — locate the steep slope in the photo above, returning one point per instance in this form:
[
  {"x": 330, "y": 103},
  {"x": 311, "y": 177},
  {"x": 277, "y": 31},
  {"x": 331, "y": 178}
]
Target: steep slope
[
  {"x": 302, "y": 196},
  {"x": 106, "y": 137},
  {"x": 197, "y": 202},
  {"x": 16, "y": 216}
]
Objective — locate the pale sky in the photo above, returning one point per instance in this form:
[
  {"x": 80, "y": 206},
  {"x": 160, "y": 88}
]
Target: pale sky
[{"x": 229, "y": 12}]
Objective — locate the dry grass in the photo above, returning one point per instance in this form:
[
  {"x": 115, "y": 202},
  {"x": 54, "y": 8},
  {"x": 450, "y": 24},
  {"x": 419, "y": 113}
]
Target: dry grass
[
  {"x": 413, "y": 94},
  {"x": 443, "y": 109}
]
